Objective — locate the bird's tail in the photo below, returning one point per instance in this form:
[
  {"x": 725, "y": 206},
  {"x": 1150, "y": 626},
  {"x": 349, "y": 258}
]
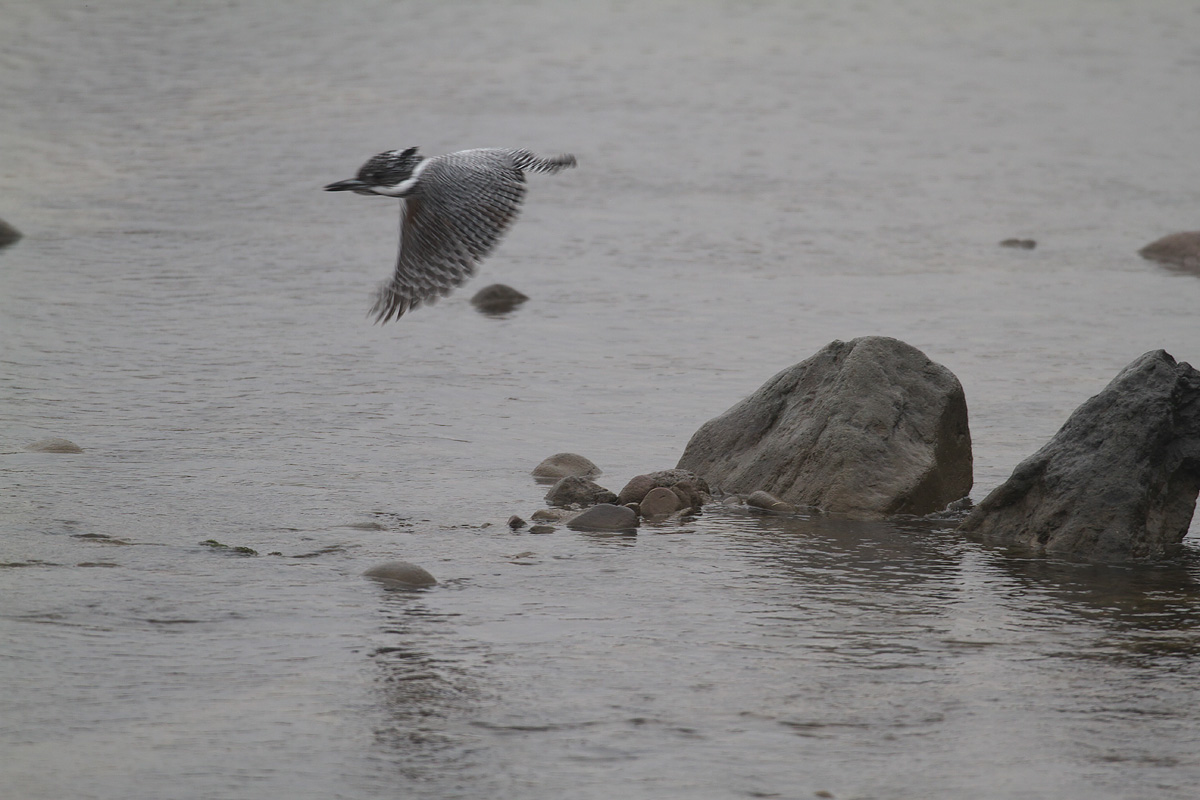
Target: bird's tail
[{"x": 531, "y": 162}]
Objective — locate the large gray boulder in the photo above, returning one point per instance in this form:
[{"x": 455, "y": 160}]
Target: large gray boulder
[
  {"x": 1119, "y": 479},
  {"x": 869, "y": 427}
]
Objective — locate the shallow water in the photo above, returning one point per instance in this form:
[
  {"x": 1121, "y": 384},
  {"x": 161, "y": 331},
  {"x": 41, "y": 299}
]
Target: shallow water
[{"x": 755, "y": 180}]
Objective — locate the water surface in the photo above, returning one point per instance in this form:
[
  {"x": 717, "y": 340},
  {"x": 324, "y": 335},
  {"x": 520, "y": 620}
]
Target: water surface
[{"x": 755, "y": 180}]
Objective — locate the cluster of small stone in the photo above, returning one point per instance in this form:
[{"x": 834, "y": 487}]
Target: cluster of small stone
[{"x": 577, "y": 501}]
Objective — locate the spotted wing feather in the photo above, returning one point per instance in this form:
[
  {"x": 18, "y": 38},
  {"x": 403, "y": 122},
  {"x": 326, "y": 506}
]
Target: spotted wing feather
[{"x": 463, "y": 204}]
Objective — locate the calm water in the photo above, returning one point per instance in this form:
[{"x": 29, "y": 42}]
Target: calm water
[{"x": 756, "y": 180}]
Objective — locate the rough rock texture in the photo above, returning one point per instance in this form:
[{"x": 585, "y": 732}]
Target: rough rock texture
[
  {"x": 605, "y": 517},
  {"x": 560, "y": 465},
  {"x": 54, "y": 446},
  {"x": 497, "y": 299},
  {"x": 1178, "y": 249},
  {"x": 1118, "y": 480},
  {"x": 574, "y": 490},
  {"x": 869, "y": 427}
]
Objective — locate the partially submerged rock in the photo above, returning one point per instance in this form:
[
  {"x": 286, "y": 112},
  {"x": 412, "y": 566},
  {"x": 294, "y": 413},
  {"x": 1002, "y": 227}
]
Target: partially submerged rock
[
  {"x": 605, "y": 517},
  {"x": 691, "y": 488},
  {"x": 401, "y": 574},
  {"x": 869, "y": 427},
  {"x": 1020, "y": 244},
  {"x": 497, "y": 299},
  {"x": 769, "y": 502},
  {"x": 8, "y": 234},
  {"x": 1119, "y": 479},
  {"x": 54, "y": 445},
  {"x": 1177, "y": 249},
  {"x": 574, "y": 490},
  {"x": 659, "y": 502},
  {"x": 562, "y": 465}
]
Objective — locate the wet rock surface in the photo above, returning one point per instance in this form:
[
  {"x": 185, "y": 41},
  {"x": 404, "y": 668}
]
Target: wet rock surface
[
  {"x": 497, "y": 299},
  {"x": 605, "y": 517},
  {"x": 870, "y": 427},
  {"x": 769, "y": 502},
  {"x": 660, "y": 502},
  {"x": 53, "y": 445},
  {"x": 1119, "y": 479},
  {"x": 8, "y": 234},
  {"x": 401, "y": 574},
  {"x": 562, "y": 465},
  {"x": 574, "y": 490},
  {"x": 1178, "y": 250},
  {"x": 689, "y": 486}
]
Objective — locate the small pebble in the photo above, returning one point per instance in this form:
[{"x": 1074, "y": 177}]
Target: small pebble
[{"x": 1021, "y": 244}]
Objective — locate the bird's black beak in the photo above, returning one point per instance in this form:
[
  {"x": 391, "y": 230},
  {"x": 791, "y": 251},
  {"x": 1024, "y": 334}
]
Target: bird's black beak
[{"x": 345, "y": 186}]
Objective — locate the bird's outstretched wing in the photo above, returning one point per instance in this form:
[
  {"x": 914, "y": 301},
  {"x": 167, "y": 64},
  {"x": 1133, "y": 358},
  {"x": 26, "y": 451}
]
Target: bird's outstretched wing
[{"x": 463, "y": 204}]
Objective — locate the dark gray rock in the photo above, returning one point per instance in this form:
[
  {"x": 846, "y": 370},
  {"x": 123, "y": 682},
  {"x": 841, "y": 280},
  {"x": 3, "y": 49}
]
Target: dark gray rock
[
  {"x": 1118, "y": 480},
  {"x": 515, "y": 522},
  {"x": 542, "y": 529},
  {"x": 659, "y": 502},
  {"x": 401, "y": 574},
  {"x": 562, "y": 465},
  {"x": 55, "y": 445},
  {"x": 8, "y": 234},
  {"x": 1178, "y": 249},
  {"x": 605, "y": 517},
  {"x": 497, "y": 299},
  {"x": 574, "y": 490},
  {"x": 869, "y": 427}
]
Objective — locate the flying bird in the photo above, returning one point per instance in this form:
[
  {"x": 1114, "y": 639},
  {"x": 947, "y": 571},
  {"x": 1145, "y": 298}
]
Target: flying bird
[{"x": 454, "y": 208}]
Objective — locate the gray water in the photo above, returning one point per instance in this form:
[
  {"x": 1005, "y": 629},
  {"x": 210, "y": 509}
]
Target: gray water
[{"x": 756, "y": 179}]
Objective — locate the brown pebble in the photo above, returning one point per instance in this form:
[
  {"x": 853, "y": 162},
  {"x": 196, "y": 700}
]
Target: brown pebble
[{"x": 659, "y": 502}]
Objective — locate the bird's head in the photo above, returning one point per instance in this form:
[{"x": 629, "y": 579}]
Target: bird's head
[{"x": 389, "y": 174}]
